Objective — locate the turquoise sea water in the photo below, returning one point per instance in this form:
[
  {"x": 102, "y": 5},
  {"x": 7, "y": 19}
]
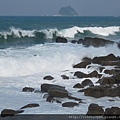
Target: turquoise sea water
[{"x": 35, "y": 30}]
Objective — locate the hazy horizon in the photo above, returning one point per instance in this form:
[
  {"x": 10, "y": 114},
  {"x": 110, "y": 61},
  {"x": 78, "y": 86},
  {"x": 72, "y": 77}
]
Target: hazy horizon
[{"x": 51, "y": 8}]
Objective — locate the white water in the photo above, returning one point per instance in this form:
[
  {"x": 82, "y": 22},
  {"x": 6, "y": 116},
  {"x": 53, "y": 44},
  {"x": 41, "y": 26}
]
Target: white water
[
  {"x": 27, "y": 66},
  {"x": 68, "y": 32}
]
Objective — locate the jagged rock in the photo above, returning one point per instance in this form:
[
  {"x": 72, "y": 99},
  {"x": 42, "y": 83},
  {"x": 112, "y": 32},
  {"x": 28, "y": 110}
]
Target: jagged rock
[
  {"x": 78, "y": 85},
  {"x": 82, "y": 64},
  {"x": 101, "y": 68},
  {"x": 80, "y": 74},
  {"x": 95, "y": 42},
  {"x": 48, "y": 77},
  {"x": 107, "y": 81},
  {"x": 87, "y": 82},
  {"x": 64, "y": 77},
  {"x": 30, "y": 105},
  {"x": 99, "y": 60},
  {"x": 95, "y": 109},
  {"x": 28, "y": 89},
  {"x": 10, "y": 112},
  {"x": 69, "y": 104},
  {"x": 61, "y": 40}
]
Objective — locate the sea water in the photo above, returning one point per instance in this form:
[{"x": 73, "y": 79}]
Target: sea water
[{"x": 28, "y": 52}]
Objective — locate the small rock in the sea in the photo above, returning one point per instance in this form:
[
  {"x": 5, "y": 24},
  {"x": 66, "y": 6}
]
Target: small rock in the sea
[
  {"x": 82, "y": 64},
  {"x": 30, "y": 105},
  {"x": 64, "y": 77},
  {"x": 10, "y": 112},
  {"x": 61, "y": 40},
  {"x": 70, "y": 104},
  {"x": 28, "y": 89},
  {"x": 95, "y": 109},
  {"x": 87, "y": 82},
  {"x": 78, "y": 85},
  {"x": 80, "y": 74},
  {"x": 111, "y": 100},
  {"x": 48, "y": 77},
  {"x": 49, "y": 99}
]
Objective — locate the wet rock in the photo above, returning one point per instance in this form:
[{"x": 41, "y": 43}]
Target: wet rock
[
  {"x": 78, "y": 85},
  {"x": 102, "y": 91},
  {"x": 61, "y": 40},
  {"x": 99, "y": 60},
  {"x": 62, "y": 93},
  {"x": 82, "y": 64},
  {"x": 112, "y": 72},
  {"x": 49, "y": 98},
  {"x": 74, "y": 41},
  {"x": 101, "y": 68},
  {"x": 87, "y": 59},
  {"x": 80, "y": 74},
  {"x": 10, "y": 112},
  {"x": 74, "y": 98},
  {"x": 94, "y": 74},
  {"x": 95, "y": 109},
  {"x": 46, "y": 87},
  {"x": 117, "y": 78},
  {"x": 95, "y": 42},
  {"x": 28, "y": 89},
  {"x": 64, "y": 77},
  {"x": 30, "y": 105},
  {"x": 70, "y": 104},
  {"x": 48, "y": 77},
  {"x": 112, "y": 111},
  {"x": 111, "y": 63},
  {"x": 107, "y": 81},
  {"x": 87, "y": 82}
]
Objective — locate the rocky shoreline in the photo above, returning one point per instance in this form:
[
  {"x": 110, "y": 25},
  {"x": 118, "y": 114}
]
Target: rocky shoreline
[{"x": 106, "y": 86}]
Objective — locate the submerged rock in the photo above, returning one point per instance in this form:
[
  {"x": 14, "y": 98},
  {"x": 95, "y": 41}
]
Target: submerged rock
[
  {"x": 70, "y": 104},
  {"x": 30, "y": 105},
  {"x": 82, "y": 64},
  {"x": 48, "y": 77},
  {"x": 78, "y": 85},
  {"x": 61, "y": 40},
  {"x": 87, "y": 82},
  {"x": 64, "y": 77},
  {"x": 28, "y": 89}
]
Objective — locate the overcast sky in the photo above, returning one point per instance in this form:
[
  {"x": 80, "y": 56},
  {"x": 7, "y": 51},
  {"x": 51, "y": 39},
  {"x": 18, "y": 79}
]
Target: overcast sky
[{"x": 51, "y": 7}]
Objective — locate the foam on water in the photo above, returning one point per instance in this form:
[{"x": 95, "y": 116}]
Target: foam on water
[{"x": 46, "y": 58}]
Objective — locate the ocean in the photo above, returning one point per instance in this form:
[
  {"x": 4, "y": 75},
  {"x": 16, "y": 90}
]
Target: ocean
[{"x": 28, "y": 52}]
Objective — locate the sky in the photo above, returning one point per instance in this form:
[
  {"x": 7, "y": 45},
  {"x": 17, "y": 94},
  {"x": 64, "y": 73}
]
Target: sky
[{"x": 51, "y": 7}]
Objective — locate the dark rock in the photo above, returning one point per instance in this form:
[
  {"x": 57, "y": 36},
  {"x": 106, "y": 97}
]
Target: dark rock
[
  {"x": 48, "y": 77},
  {"x": 30, "y": 105},
  {"x": 80, "y": 74},
  {"x": 87, "y": 82},
  {"x": 87, "y": 59},
  {"x": 117, "y": 78},
  {"x": 112, "y": 111},
  {"x": 119, "y": 45},
  {"x": 83, "y": 90},
  {"x": 78, "y": 85},
  {"x": 101, "y": 68},
  {"x": 111, "y": 63},
  {"x": 69, "y": 104},
  {"x": 80, "y": 41},
  {"x": 94, "y": 74},
  {"x": 95, "y": 109},
  {"x": 28, "y": 89},
  {"x": 62, "y": 93},
  {"x": 112, "y": 72},
  {"x": 107, "y": 81},
  {"x": 9, "y": 112},
  {"x": 82, "y": 64},
  {"x": 57, "y": 101},
  {"x": 67, "y": 11},
  {"x": 61, "y": 40},
  {"x": 95, "y": 42},
  {"x": 74, "y": 41},
  {"x": 102, "y": 91},
  {"x": 99, "y": 60},
  {"x": 64, "y": 77},
  {"x": 49, "y": 98},
  {"x": 111, "y": 100},
  {"x": 47, "y": 87}
]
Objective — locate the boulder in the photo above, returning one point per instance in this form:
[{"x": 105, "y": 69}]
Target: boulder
[
  {"x": 112, "y": 72},
  {"x": 28, "y": 89},
  {"x": 87, "y": 82},
  {"x": 112, "y": 111},
  {"x": 30, "y": 105},
  {"x": 95, "y": 109},
  {"x": 78, "y": 85},
  {"x": 70, "y": 104},
  {"x": 102, "y": 91},
  {"x": 61, "y": 40},
  {"x": 94, "y": 74},
  {"x": 79, "y": 74},
  {"x": 49, "y": 99},
  {"x": 82, "y": 64},
  {"x": 99, "y": 60},
  {"x": 111, "y": 63},
  {"x": 74, "y": 41},
  {"x": 107, "y": 81},
  {"x": 74, "y": 98},
  {"x": 48, "y": 77},
  {"x": 117, "y": 78},
  {"x": 64, "y": 77},
  {"x": 87, "y": 59},
  {"x": 95, "y": 42},
  {"x": 10, "y": 112}
]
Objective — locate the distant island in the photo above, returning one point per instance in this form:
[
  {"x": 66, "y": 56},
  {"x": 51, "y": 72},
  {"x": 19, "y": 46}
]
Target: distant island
[{"x": 67, "y": 11}]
